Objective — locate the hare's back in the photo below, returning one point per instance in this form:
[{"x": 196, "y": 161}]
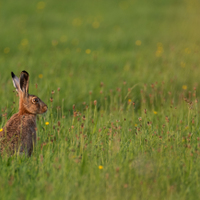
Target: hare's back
[
  {"x": 12, "y": 126},
  {"x": 9, "y": 137}
]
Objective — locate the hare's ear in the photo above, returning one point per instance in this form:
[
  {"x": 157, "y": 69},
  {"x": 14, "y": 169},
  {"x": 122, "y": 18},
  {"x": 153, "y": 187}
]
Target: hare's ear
[
  {"x": 15, "y": 82},
  {"x": 24, "y": 82}
]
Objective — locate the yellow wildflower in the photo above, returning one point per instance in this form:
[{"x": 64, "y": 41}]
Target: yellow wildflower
[
  {"x": 155, "y": 112},
  {"x": 1, "y": 130},
  {"x": 24, "y": 42},
  {"x": 129, "y": 100},
  {"x": 41, "y": 5},
  {"x": 160, "y": 50},
  {"x": 54, "y": 43},
  {"x": 124, "y": 5},
  {"x": 187, "y": 51},
  {"x": 186, "y": 128},
  {"x": 184, "y": 87},
  {"x": 40, "y": 76},
  {"x": 127, "y": 66},
  {"x": 63, "y": 38},
  {"x": 47, "y": 123},
  {"x": 95, "y": 24},
  {"x": 182, "y": 64},
  {"x": 138, "y": 42},
  {"x": 100, "y": 167},
  {"x": 76, "y": 22},
  {"x": 88, "y": 51},
  {"x": 6, "y": 50},
  {"x": 135, "y": 125}
]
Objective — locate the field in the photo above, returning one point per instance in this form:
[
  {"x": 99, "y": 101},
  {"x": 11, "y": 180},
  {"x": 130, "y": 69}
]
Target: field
[{"x": 121, "y": 81}]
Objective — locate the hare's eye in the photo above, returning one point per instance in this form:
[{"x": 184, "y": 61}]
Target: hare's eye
[{"x": 35, "y": 100}]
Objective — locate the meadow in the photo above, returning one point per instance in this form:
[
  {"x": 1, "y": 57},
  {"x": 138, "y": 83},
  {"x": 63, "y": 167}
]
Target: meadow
[{"x": 121, "y": 81}]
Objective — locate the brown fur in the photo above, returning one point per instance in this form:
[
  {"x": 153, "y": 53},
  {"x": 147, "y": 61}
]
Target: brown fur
[{"x": 19, "y": 133}]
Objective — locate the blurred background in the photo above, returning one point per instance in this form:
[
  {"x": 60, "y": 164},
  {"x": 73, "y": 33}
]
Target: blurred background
[{"x": 80, "y": 46}]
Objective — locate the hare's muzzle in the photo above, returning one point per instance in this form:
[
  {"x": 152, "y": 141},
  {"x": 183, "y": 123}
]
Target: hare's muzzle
[{"x": 44, "y": 108}]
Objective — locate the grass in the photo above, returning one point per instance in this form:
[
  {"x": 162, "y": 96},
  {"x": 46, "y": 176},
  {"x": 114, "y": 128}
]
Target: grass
[{"x": 130, "y": 68}]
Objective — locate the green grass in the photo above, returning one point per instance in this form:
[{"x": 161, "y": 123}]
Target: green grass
[{"x": 144, "y": 129}]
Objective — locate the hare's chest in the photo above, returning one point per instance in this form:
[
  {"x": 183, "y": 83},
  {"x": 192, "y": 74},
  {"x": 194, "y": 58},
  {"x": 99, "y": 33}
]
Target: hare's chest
[
  {"x": 29, "y": 125},
  {"x": 33, "y": 133}
]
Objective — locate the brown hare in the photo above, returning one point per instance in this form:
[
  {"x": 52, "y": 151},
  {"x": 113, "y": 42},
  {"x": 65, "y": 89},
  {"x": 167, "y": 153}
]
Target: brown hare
[{"x": 19, "y": 133}]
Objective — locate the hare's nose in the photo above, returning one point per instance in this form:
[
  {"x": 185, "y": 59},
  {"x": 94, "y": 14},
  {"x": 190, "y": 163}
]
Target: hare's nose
[{"x": 45, "y": 108}]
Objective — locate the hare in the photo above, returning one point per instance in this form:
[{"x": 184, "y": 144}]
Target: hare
[{"x": 19, "y": 133}]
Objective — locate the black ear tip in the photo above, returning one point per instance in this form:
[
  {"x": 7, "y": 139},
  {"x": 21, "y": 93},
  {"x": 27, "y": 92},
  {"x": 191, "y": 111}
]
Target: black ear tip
[
  {"x": 25, "y": 72},
  {"x": 12, "y": 74}
]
